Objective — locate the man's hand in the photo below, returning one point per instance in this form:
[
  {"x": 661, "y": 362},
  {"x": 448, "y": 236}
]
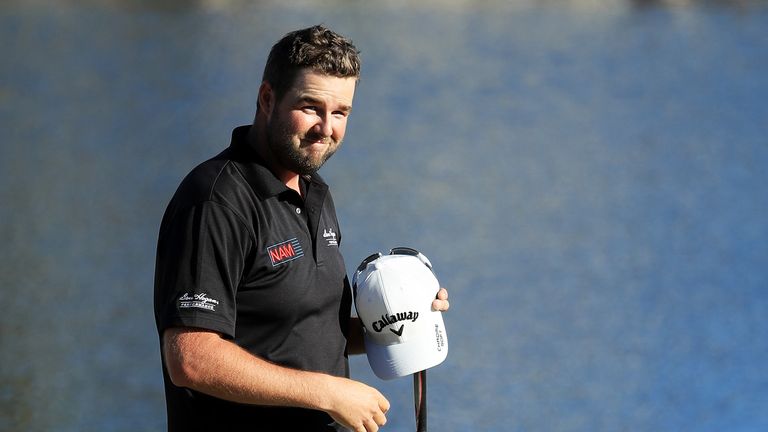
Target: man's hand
[
  {"x": 356, "y": 405},
  {"x": 441, "y": 302}
]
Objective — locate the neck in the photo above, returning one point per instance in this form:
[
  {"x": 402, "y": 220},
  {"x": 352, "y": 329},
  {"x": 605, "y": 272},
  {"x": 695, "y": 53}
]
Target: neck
[{"x": 257, "y": 137}]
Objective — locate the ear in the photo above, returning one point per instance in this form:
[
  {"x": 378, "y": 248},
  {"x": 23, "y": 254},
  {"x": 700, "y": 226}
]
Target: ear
[{"x": 266, "y": 99}]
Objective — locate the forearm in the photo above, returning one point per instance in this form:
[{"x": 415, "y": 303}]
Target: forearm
[{"x": 205, "y": 362}]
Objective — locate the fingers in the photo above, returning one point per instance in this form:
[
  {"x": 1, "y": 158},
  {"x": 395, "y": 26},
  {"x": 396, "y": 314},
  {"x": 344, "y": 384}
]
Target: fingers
[
  {"x": 358, "y": 406},
  {"x": 441, "y": 302},
  {"x": 383, "y": 404},
  {"x": 379, "y": 417},
  {"x": 442, "y": 294},
  {"x": 367, "y": 426},
  {"x": 372, "y": 424}
]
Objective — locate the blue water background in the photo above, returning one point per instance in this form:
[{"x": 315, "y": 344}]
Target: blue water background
[{"x": 588, "y": 178}]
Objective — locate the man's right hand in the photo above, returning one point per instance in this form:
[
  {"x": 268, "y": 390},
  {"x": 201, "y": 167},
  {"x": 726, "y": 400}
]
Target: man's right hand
[{"x": 357, "y": 406}]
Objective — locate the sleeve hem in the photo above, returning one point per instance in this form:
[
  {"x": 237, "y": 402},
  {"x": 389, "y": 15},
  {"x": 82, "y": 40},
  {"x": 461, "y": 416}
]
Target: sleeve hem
[{"x": 208, "y": 323}]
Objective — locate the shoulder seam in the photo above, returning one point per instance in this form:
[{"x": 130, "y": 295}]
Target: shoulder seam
[
  {"x": 211, "y": 199},
  {"x": 239, "y": 217},
  {"x": 216, "y": 180}
]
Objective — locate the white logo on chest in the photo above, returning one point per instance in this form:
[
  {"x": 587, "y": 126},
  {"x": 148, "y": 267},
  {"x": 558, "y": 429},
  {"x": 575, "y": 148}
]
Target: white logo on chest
[{"x": 330, "y": 237}]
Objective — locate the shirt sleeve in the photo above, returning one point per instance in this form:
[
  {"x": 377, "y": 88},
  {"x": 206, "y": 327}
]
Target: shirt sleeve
[{"x": 200, "y": 260}]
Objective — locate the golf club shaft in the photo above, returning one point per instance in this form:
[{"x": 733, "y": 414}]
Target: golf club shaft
[{"x": 420, "y": 400}]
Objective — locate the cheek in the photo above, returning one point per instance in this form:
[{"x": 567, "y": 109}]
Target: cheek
[
  {"x": 296, "y": 122},
  {"x": 339, "y": 129},
  {"x": 293, "y": 122}
]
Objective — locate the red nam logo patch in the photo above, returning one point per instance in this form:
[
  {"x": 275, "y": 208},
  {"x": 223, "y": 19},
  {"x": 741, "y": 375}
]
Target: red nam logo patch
[{"x": 288, "y": 250}]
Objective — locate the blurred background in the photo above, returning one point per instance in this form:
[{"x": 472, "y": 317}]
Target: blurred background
[{"x": 589, "y": 179}]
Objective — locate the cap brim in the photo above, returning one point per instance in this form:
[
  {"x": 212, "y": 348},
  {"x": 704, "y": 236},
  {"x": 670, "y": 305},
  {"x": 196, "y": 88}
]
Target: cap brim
[{"x": 426, "y": 350}]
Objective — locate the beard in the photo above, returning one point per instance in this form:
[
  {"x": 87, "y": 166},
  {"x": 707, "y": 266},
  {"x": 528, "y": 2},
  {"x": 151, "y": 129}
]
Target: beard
[{"x": 285, "y": 145}]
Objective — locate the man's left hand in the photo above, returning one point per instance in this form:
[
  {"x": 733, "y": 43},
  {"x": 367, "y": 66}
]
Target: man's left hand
[{"x": 441, "y": 302}]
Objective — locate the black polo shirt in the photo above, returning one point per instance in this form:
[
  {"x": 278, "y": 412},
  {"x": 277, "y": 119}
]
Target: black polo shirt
[{"x": 241, "y": 254}]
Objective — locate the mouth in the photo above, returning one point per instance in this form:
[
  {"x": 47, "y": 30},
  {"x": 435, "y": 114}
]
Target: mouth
[{"x": 315, "y": 144}]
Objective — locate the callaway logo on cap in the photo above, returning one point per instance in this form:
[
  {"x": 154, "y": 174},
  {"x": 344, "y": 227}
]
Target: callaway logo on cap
[{"x": 393, "y": 298}]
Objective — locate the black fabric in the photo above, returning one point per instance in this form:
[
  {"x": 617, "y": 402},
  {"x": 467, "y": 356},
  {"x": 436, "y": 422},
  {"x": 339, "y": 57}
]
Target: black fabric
[{"x": 241, "y": 254}]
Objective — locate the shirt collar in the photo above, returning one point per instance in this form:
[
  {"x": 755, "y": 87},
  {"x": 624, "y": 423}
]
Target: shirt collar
[{"x": 256, "y": 173}]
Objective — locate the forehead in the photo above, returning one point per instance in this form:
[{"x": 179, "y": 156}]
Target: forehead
[{"x": 323, "y": 88}]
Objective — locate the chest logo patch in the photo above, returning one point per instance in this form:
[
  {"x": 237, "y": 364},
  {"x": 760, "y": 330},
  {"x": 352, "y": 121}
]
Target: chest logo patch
[
  {"x": 330, "y": 237},
  {"x": 283, "y": 252}
]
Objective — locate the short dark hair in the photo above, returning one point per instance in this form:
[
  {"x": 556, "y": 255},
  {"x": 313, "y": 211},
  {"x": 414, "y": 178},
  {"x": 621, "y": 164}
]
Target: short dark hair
[{"x": 317, "y": 48}]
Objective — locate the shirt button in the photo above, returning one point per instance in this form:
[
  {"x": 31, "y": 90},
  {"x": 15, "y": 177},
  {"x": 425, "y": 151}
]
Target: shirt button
[{"x": 298, "y": 210}]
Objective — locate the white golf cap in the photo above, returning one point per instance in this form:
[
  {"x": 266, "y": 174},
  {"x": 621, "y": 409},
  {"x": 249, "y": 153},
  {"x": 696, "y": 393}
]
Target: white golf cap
[{"x": 393, "y": 297}]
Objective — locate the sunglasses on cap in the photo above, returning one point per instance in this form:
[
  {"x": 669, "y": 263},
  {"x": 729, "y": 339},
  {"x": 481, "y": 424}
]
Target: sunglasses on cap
[{"x": 394, "y": 251}]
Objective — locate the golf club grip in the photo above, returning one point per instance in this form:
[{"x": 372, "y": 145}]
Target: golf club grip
[{"x": 420, "y": 400}]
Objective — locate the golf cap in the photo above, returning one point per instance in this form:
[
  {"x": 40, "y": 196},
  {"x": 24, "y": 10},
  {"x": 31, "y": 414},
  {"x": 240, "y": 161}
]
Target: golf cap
[{"x": 393, "y": 298}]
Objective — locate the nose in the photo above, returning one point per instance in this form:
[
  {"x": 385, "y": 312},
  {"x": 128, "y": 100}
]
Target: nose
[{"x": 324, "y": 125}]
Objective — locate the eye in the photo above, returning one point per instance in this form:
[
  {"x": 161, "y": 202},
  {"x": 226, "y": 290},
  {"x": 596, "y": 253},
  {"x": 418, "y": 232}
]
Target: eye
[
  {"x": 341, "y": 114},
  {"x": 309, "y": 109}
]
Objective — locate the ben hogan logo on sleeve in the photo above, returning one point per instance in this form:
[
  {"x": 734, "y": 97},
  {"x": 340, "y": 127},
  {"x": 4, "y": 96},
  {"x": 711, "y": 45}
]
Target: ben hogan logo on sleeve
[
  {"x": 288, "y": 250},
  {"x": 199, "y": 301}
]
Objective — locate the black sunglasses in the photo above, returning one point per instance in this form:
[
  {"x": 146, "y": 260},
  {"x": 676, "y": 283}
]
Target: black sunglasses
[
  {"x": 394, "y": 251},
  {"x": 412, "y": 252}
]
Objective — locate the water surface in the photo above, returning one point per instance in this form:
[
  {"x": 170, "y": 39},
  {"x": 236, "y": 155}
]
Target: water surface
[{"x": 589, "y": 182}]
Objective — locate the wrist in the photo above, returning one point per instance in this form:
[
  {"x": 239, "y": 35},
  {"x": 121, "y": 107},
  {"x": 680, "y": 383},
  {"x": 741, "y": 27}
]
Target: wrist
[{"x": 323, "y": 387}]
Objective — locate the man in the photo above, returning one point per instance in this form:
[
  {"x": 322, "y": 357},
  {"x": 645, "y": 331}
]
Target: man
[{"x": 252, "y": 301}]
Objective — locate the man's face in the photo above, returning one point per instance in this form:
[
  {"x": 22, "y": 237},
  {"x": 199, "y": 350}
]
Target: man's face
[{"x": 307, "y": 125}]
